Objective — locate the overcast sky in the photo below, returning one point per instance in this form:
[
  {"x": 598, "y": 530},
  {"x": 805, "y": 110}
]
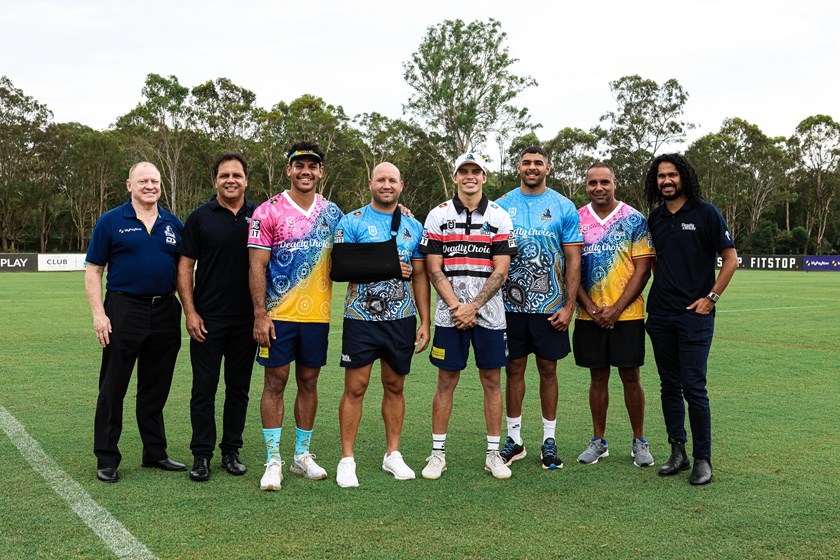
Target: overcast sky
[{"x": 772, "y": 63}]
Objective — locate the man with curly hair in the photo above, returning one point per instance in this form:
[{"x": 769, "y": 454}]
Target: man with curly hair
[{"x": 688, "y": 234}]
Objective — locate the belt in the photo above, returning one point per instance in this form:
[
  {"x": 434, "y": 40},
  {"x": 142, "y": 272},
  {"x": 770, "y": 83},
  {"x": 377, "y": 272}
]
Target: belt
[{"x": 151, "y": 300}]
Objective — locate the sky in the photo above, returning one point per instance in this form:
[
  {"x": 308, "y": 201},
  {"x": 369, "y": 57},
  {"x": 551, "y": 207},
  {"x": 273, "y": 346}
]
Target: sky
[{"x": 771, "y": 63}]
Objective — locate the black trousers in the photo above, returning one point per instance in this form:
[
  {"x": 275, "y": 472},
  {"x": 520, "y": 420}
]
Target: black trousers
[
  {"x": 150, "y": 335},
  {"x": 234, "y": 340}
]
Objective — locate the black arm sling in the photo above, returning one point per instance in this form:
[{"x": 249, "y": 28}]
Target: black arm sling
[{"x": 368, "y": 262}]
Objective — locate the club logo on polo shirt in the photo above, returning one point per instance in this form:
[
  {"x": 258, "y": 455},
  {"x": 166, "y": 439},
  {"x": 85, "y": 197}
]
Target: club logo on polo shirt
[
  {"x": 255, "y": 228},
  {"x": 689, "y": 227},
  {"x": 170, "y": 235}
]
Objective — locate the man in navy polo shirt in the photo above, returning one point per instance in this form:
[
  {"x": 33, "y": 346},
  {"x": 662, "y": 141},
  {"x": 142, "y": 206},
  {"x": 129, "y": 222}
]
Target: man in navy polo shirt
[
  {"x": 140, "y": 320},
  {"x": 218, "y": 314},
  {"x": 688, "y": 234}
]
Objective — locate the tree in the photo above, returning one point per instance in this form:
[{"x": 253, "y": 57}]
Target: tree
[
  {"x": 572, "y": 152},
  {"x": 817, "y": 148},
  {"x": 160, "y": 127},
  {"x": 647, "y": 119},
  {"x": 463, "y": 86},
  {"x": 22, "y": 123}
]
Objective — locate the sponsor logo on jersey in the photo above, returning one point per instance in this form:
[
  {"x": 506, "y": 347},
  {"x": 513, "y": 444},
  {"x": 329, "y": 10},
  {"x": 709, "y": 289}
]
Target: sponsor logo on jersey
[
  {"x": 406, "y": 234},
  {"x": 438, "y": 353},
  {"x": 339, "y": 236},
  {"x": 425, "y": 239},
  {"x": 546, "y": 215},
  {"x": 255, "y": 228},
  {"x": 512, "y": 211},
  {"x": 372, "y": 230},
  {"x": 450, "y": 224}
]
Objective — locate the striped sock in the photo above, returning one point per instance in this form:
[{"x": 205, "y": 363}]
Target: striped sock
[
  {"x": 514, "y": 427},
  {"x": 438, "y": 442},
  {"x": 272, "y": 443},
  {"x": 302, "y": 439},
  {"x": 493, "y": 443}
]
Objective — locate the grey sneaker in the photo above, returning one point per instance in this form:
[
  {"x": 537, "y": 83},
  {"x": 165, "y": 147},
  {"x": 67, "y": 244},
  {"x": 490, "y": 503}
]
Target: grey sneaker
[
  {"x": 641, "y": 453},
  {"x": 596, "y": 449}
]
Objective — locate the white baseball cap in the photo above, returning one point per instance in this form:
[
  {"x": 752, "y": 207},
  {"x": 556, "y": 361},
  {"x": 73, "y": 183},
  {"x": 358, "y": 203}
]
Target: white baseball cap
[{"x": 470, "y": 157}]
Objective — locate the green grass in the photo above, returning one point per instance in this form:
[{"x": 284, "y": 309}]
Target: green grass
[{"x": 774, "y": 389}]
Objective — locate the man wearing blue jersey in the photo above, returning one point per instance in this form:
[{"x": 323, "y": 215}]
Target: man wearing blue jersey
[
  {"x": 139, "y": 321},
  {"x": 380, "y": 322},
  {"x": 539, "y": 296}
]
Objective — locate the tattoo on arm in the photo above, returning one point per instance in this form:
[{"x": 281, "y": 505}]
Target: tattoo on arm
[
  {"x": 436, "y": 278},
  {"x": 491, "y": 286}
]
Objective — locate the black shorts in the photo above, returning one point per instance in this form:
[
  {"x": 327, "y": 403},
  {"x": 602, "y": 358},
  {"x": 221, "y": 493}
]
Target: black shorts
[
  {"x": 364, "y": 342},
  {"x": 531, "y": 333},
  {"x": 622, "y": 346}
]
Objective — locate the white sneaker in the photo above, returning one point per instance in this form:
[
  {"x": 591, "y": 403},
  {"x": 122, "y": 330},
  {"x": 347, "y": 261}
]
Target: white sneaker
[
  {"x": 496, "y": 466},
  {"x": 436, "y": 465},
  {"x": 305, "y": 466},
  {"x": 395, "y": 465},
  {"x": 273, "y": 477},
  {"x": 345, "y": 474}
]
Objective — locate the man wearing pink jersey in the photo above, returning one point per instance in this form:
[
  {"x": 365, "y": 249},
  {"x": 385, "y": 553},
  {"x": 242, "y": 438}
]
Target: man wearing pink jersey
[
  {"x": 609, "y": 329},
  {"x": 290, "y": 239}
]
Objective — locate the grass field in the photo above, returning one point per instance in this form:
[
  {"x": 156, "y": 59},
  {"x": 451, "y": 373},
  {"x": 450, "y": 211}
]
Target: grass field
[{"x": 774, "y": 383}]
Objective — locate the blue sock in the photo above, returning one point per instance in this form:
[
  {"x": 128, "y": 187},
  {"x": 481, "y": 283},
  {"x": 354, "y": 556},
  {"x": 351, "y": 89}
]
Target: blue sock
[
  {"x": 272, "y": 443},
  {"x": 643, "y": 440},
  {"x": 302, "y": 438}
]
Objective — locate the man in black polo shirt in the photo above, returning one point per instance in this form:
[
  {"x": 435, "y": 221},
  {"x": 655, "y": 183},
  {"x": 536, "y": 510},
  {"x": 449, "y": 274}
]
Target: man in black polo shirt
[
  {"x": 140, "y": 320},
  {"x": 688, "y": 234},
  {"x": 218, "y": 314}
]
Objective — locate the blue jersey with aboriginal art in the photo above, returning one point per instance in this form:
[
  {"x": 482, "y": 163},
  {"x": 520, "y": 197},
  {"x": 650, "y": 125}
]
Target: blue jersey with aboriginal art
[
  {"x": 543, "y": 224},
  {"x": 389, "y": 299}
]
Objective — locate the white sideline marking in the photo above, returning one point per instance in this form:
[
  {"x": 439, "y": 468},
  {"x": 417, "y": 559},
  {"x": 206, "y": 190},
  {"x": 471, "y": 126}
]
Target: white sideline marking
[
  {"x": 112, "y": 532},
  {"x": 769, "y": 309}
]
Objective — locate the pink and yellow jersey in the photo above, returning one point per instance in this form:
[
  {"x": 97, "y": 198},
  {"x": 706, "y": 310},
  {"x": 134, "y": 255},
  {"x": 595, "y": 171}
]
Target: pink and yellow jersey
[
  {"x": 609, "y": 249},
  {"x": 298, "y": 285}
]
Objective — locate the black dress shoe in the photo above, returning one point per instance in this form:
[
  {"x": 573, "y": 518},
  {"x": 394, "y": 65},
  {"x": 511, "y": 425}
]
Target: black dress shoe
[
  {"x": 108, "y": 474},
  {"x": 678, "y": 461},
  {"x": 702, "y": 472},
  {"x": 232, "y": 464},
  {"x": 201, "y": 470},
  {"x": 166, "y": 465}
]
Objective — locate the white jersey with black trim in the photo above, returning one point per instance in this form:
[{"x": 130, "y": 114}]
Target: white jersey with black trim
[{"x": 468, "y": 241}]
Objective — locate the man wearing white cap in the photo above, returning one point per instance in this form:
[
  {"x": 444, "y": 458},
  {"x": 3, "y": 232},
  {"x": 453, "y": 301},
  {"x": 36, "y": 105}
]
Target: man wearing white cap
[{"x": 468, "y": 245}]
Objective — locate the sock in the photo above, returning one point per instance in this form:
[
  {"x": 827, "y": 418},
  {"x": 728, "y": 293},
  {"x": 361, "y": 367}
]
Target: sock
[
  {"x": 643, "y": 440},
  {"x": 302, "y": 438},
  {"x": 599, "y": 439},
  {"x": 272, "y": 443},
  {"x": 548, "y": 428},
  {"x": 438, "y": 442},
  {"x": 514, "y": 426},
  {"x": 493, "y": 443}
]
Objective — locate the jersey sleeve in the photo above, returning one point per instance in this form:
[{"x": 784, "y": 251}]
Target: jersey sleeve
[
  {"x": 504, "y": 241},
  {"x": 416, "y": 234},
  {"x": 572, "y": 234},
  {"x": 432, "y": 241},
  {"x": 642, "y": 240},
  {"x": 190, "y": 245},
  {"x": 99, "y": 250},
  {"x": 262, "y": 226},
  {"x": 344, "y": 231},
  {"x": 722, "y": 237}
]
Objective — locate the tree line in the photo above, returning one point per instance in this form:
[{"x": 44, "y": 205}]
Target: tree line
[{"x": 778, "y": 194}]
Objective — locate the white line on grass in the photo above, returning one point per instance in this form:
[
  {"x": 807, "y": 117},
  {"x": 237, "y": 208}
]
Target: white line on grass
[
  {"x": 769, "y": 309},
  {"x": 111, "y": 531}
]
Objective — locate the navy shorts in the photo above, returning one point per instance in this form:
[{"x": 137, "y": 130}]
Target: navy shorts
[
  {"x": 304, "y": 343},
  {"x": 451, "y": 346},
  {"x": 622, "y": 346},
  {"x": 364, "y": 342},
  {"x": 531, "y": 333}
]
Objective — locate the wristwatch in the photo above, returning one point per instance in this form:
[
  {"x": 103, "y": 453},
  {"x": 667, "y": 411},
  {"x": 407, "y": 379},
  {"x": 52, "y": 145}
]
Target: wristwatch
[{"x": 713, "y": 296}]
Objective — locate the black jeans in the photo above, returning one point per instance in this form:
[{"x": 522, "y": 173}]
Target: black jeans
[
  {"x": 150, "y": 335},
  {"x": 234, "y": 340},
  {"x": 681, "y": 346}
]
